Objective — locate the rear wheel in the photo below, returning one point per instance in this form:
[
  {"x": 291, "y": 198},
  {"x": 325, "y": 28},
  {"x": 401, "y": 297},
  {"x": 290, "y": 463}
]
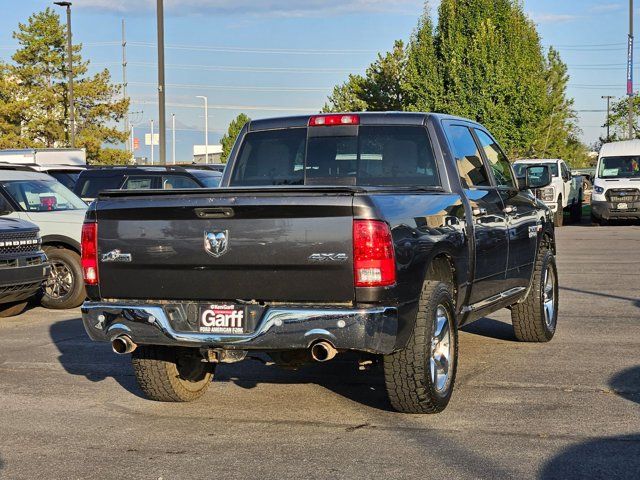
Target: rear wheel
[
  {"x": 11, "y": 309},
  {"x": 535, "y": 319},
  {"x": 64, "y": 288},
  {"x": 558, "y": 219},
  {"x": 420, "y": 377},
  {"x": 168, "y": 374}
]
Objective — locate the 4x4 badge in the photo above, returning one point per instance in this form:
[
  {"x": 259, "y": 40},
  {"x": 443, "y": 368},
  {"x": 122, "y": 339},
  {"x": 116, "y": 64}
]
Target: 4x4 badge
[{"x": 216, "y": 242}]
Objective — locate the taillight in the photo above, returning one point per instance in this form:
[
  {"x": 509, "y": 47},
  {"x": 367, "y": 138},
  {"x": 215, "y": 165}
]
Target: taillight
[
  {"x": 373, "y": 257},
  {"x": 333, "y": 120},
  {"x": 89, "y": 250}
]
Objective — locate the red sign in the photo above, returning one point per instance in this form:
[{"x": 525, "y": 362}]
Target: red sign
[{"x": 136, "y": 143}]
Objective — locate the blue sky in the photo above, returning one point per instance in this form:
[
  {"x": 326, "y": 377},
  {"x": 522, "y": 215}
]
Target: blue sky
[{"x": 280, "y": 57}]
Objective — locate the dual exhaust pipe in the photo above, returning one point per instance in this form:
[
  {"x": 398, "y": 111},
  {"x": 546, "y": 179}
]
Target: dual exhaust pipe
[
  {"x": 123, "y": 345},
  {"x": 321, "y": 351}
]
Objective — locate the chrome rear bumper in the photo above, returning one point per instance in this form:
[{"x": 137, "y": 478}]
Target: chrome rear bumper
[{"x": 280, "y": 328}]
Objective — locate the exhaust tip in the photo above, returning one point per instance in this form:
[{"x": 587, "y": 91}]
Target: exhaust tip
[
  {"x": 123, "y": 345},
  {"x": 323, "y": 351}
]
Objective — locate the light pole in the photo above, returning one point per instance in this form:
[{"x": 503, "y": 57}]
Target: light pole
[
  {"x": 630, "y": 70},
  {"x": 161, "y": 105},
  {"x": 72, "y": 120},
  {"x": 151, "y": 141},
  {"x": 608, "y": 98},
  {"x": 206, "y": 128},
  {"x": 173, "y": 138}
]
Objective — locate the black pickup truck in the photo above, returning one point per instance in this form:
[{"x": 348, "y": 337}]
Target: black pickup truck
[
  {"x": 23, "y": 264},
  {"x": 379, "y": 233}
]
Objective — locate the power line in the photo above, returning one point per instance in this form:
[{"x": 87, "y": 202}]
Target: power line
[
  {"x": 276, "y": 51},
  {"x": 260, "y": 108},
  {"x": 237, "y": 87},
  {"x": 235, "y": 68}
]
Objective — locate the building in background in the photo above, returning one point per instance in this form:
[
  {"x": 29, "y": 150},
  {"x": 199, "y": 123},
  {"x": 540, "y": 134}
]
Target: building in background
[{"x": 200, "y": 154}]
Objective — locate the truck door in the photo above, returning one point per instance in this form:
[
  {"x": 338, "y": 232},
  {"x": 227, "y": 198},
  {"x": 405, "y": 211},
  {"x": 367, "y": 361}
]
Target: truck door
[
  {"x": 520, "y": 210},
  {"x": 489, "y": 219}
]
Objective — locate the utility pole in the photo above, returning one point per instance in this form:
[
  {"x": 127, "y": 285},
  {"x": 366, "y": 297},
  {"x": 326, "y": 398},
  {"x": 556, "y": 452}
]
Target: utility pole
[
  {"x": 608, "y": 98},
  {"x": 173, "y": 138},
  {"x": 630, "y": 70},
  {"x": 72, "y": 119},
  {"x": 161, "y": 104},
  {"x": 206, "y": 127},
  {"x": 151, "y": 142},
  {"x": 124, "y": 81}
]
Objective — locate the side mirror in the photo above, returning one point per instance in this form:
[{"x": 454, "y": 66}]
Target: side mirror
[{"x": 536, "y": 176}]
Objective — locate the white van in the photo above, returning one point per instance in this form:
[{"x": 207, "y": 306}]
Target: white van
[{"x": 616, "y": 187}]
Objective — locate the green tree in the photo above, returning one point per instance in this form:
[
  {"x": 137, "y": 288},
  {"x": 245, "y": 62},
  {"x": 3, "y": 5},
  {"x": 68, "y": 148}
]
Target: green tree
[
  {"x": 618, "y": 121},
  {"x": 229, "y": 138},
  {"x": 484, "y": 61},
  {"x": 380, "y": 89},
  {"x": 559, "y": 137},
  {"x": 34, "y": 102},
  {"x": 422, "y": 85}
]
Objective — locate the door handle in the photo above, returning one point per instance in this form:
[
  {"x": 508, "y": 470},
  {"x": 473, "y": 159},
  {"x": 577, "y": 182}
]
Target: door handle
[
  {"x": 479, "y": 211},
  {"x": 216, "y": 212},
  {"x": 510, "y": 209}
]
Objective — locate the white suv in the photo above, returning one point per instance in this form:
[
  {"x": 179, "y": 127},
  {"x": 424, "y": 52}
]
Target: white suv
[{"x": 59, "y": 213}]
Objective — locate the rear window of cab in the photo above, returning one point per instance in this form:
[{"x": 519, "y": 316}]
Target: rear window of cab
[{"x": 364, "y": 155}]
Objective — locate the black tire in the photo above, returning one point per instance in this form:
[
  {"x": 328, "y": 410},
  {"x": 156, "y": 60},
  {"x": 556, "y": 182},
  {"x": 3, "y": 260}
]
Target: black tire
[
  {"x": 168, "y": 374},
  {"x": 408, "y": 372},
  {"x": 65, "y": 269},
  {"x": 11, "y": 309},
  {"x": 576, "y": 210},
  {"x": 530, "y": 320},
  {"x": 558, "y": 218}
]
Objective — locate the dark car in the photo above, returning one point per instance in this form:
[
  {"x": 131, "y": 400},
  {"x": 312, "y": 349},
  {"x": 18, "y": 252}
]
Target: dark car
[
  {"x": 96, "y": 179},
  {"x": 23, "y": 264},
  {"x": 376, "y": 233}
]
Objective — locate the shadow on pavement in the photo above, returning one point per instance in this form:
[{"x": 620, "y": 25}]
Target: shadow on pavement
[
  {"x": 93, "y": 360},
  {"x": 607, "y": 457},
  {"x": 340, "y": 376},
  {"x": 488, "y": 327},
  {"x": 635, "y": 301}
]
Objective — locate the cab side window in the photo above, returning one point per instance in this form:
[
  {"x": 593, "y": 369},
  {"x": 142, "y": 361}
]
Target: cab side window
[
  {"x": 170, "y": 182},
  {"x": 138, "y": 183},
  {"x": 498, "y": 161},
  {"x": 470, "y": 165}
]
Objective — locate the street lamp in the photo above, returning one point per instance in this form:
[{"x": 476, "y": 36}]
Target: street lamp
[
  {"x": 72, "y": 120},
  {"x": 206, "y": 127}
]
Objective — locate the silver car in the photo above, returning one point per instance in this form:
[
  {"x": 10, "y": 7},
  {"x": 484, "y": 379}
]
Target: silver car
[{"x": 59, "y": 213}]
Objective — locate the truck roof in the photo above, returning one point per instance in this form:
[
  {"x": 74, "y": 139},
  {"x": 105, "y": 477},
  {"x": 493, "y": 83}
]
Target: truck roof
[
  {"x": 624, "y": 148},
  {"x": 45, "y": 156},
  {"x": 366, "y": 118},
  {"x": 539, "y": 160}
]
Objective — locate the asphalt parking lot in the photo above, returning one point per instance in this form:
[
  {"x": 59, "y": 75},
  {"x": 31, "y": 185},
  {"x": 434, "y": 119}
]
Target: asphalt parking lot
[{"x": 569, "y": 409}]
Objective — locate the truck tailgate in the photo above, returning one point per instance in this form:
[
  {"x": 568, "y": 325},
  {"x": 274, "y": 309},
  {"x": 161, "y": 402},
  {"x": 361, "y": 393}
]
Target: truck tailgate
[{"x": 277, "y": 246}]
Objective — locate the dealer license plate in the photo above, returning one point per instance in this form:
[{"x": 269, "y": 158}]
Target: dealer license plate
[
  {"x": 622, "y": 206},
  {"x": 222, "y": 318}
]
